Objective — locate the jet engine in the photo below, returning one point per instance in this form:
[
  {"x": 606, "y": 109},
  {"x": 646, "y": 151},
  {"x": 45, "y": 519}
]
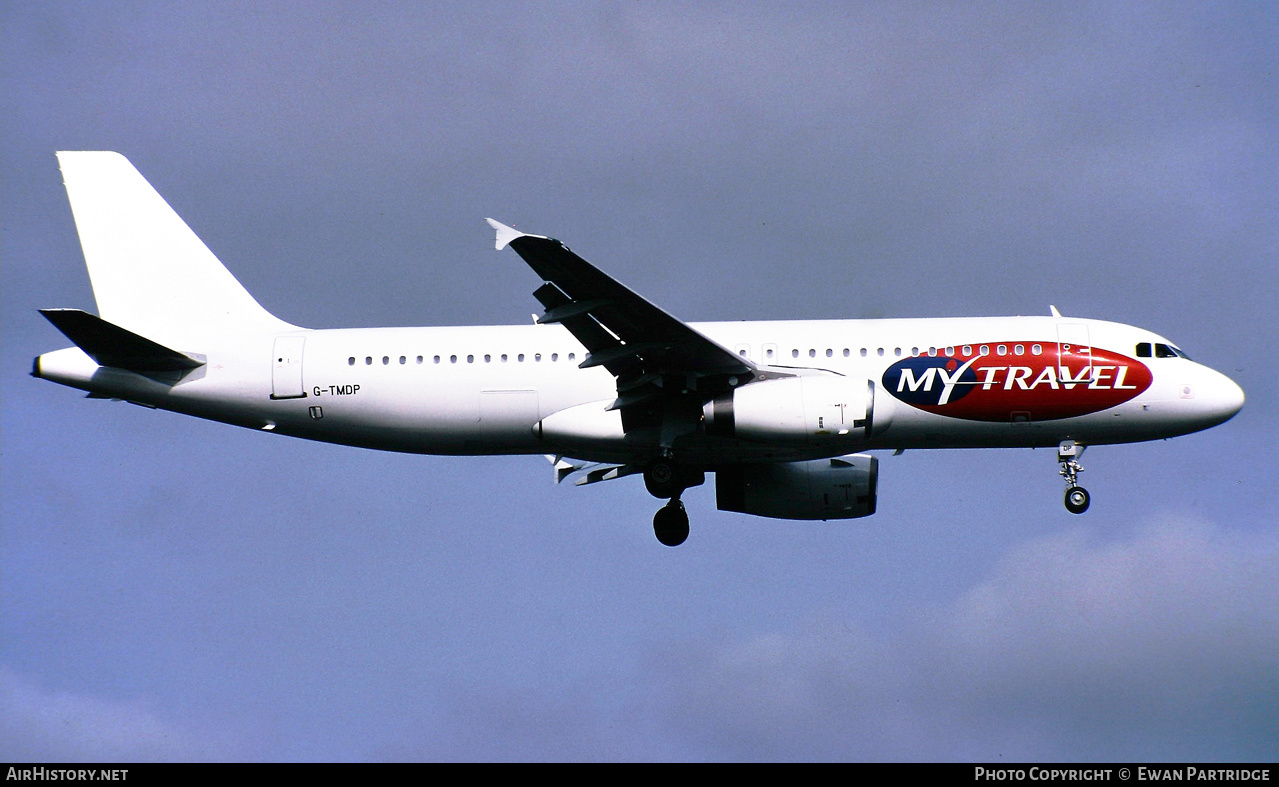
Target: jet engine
[
  {"x": 806, "y": 410},
  {"x": 839, "y": 488}
]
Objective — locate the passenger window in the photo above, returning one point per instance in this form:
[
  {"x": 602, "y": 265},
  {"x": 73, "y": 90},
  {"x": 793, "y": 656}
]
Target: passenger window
[
  {"x": 794, "y": 353},
  {"x": 452, "y": 359},
  {"x": 968, "y": 350},
  {"x": 520, "y": 357},
  {"x": 470, "y": 359},
  {"x": 350, "y": 361},
  {"x": 503, "y": 357},
  {"x": 386, "y": 360},
  {"x": 880, "y": 352},
  {"x": 368, "y": 360},
  {"x": 555, "y": 356},
  {"x": 846, "y": 353},
  {"x": 487, "y": 358},
  {"x": 985, "y": 350},
  {"x": 403, "y": 360},
  {"x": 897, "y": 351},
  {"x": 1001, "y": 349},
  {"x": 1019, "y": 350},
  {"x": 950, "y": 352},
  {"x": 419, "y": 359},
  {"x": 812, "y": 353},
  {"x": 830, "y": 353},
  {"x": 1036, "y": 349},
  {"x": 1143, "y": 350}
]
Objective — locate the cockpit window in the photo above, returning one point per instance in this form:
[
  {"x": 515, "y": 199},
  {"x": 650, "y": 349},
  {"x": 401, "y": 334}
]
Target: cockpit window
[{"x": 1160, "y": 351}]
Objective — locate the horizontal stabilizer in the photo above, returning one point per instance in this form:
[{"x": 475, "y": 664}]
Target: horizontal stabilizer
[{"x": 111, "y": 345}]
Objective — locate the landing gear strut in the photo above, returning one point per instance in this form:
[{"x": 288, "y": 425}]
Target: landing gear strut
[
  {"x": 1077, "y": 498},
  {"x": 662, "y": 478},
  {"x": 666, "y": 479}
]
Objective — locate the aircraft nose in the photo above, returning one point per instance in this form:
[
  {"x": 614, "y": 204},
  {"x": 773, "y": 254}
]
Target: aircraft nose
[
  {"x": 1222, "y": 396},
  {"x": 1234, "y": 397}
]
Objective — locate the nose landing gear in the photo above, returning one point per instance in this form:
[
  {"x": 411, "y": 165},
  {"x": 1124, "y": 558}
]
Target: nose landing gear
[{"x": 1076, "y": 498}]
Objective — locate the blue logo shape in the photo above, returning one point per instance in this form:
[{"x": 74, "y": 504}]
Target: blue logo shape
[{"x": 930, "y": 381}]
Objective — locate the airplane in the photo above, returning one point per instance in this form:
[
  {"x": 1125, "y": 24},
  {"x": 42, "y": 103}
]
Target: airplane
[{"x": 604, "y": 383}]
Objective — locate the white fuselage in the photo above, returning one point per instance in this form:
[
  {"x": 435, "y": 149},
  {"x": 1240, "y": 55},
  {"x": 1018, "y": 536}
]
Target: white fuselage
[{"x": 487, "y": 389}]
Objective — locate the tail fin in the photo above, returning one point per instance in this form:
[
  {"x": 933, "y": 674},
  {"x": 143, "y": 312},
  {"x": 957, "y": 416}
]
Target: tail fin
[{"x": 150, "y": 273}]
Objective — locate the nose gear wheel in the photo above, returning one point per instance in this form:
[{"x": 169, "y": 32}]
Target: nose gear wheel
[{"x": 1076, "y": 498}]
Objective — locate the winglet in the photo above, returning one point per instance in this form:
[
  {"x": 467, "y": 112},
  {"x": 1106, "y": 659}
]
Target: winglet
[{"x": 506, "y": 234}]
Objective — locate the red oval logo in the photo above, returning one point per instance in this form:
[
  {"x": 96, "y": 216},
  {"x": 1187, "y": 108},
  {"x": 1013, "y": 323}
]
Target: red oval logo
[{"x": 1014, "y": 383}]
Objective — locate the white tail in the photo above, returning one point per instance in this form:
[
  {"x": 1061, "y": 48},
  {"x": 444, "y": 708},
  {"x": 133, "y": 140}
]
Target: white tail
[{"x": 150, "y": 273}]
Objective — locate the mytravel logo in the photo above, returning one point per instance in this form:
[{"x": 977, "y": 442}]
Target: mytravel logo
[{"x": 1017, "y": 381}]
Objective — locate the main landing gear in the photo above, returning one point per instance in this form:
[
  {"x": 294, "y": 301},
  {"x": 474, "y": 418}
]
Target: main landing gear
[
  {"x": 1077, "y": 498},
  {"x": 665, "y": 479}
]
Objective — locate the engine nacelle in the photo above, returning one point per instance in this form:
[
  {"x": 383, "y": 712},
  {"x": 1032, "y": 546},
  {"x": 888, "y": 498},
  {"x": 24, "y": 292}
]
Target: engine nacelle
[
  {"x": 807, "y": 410},
  {"x": 839, "y": 488}
]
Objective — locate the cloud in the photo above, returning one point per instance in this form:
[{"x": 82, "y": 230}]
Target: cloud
[
  {"x": 37, "y": 725},
  {"x": 1163, "y": 644}
]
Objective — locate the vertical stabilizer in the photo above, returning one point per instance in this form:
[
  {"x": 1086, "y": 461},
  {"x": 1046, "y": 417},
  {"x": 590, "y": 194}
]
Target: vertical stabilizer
[{"x": 150, "y": 273}]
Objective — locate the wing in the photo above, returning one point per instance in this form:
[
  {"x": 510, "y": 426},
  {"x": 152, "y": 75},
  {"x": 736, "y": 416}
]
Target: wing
[{"x": 653, "y": 356}]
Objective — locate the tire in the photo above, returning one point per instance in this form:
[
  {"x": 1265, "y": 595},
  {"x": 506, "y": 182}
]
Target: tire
[
  {"x": 670, "y": 524},
  {"x": 1077, "y": 499}
]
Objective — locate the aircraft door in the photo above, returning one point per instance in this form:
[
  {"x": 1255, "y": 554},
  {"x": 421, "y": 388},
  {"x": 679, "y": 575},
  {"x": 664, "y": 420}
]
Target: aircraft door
[
  {"x": 1074, "y": 350},
  {"x": 286, "y": 368}
]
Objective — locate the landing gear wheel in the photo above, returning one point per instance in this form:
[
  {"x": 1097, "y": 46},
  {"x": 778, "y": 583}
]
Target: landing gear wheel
[
  {"x": 670, "y": 524},
  {"x": 661, "y": 478},
  {"x": 1077, "y": 499}
]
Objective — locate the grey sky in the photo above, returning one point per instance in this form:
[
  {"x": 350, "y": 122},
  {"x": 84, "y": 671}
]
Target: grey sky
[{"x": 174, "y": 589}]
